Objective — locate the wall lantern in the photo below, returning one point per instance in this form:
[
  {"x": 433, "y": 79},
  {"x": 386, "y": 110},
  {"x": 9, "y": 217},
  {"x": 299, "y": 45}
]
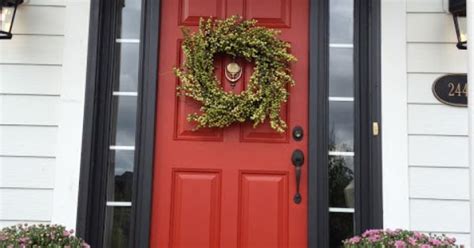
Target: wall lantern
[
  {"x": 458, "y": 9},
  {"x": 7, "y": 16}
]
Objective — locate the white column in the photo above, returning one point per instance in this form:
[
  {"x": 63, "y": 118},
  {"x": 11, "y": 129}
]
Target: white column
[
  {"x": 470, "y": 33},
  {"x": 396, "y": 204},
  {"x": 71, "y": 111}
]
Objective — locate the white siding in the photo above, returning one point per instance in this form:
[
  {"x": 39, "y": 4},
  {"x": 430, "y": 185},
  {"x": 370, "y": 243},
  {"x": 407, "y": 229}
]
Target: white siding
[
  {"x": 425, "y": 6},
  {"x": 32, "y": 49},
  {"x": 437, "y": 141},
  {"x": 26, "y": 204},
  {"x": 436, "y": 120},
  {"x": 40, "y": 20},
  {"x": 27, "y": 172},
  {"x": 34, "y": 97},
  {"x": 419, "y": 88},
  {"x": 30, "y": 79},
  {"x": 439, "y": 183},
  {"x": 441, "y": 151},
  {"x": 440, "y": 216},
  {"x": 29, "y": 110}
]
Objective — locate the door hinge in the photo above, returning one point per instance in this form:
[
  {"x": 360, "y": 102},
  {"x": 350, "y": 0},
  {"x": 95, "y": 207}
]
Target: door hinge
[{"x": 375, "y": 128}]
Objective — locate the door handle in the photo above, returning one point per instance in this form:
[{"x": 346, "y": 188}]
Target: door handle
[{"x": 297, "y": 158}]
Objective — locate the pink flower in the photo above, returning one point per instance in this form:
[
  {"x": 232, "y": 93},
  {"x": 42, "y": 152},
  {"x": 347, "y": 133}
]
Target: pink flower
[
  {"x": 354, "y": 240},
  {"x": 425, "y": 246},
  {"x": 371, "y": 232},
  {"x": 435, "y": 242},
  {"x": 390, "y": 232},
  {"x": 400, "y": 244},
  {"x": 451, "y": 241},
  {"x": 23, "y": 240},
  {"x": 412, "y": 241},
  {"x": 418, "y": 235},
  {"x": 374, "y": 238}
]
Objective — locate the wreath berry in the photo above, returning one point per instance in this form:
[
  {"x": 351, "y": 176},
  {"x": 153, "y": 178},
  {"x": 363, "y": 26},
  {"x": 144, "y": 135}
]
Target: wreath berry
[{"x": 268, "y": 84}]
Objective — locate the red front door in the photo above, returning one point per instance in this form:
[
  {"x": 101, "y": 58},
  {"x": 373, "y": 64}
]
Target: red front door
[{"x": 231, "y": 187}]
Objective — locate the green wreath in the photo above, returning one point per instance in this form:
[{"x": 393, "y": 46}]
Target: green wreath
[{"x": 267, "y": 87}]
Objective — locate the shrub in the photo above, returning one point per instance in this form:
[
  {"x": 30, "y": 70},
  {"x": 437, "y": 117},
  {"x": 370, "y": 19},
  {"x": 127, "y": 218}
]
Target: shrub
[
  {"x": 399, "y": 239},
  {"x": 51, "y": 236}
]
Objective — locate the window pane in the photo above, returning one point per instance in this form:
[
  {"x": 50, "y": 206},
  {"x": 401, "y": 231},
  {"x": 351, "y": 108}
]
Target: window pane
[
  {"x": 341, "y": 227},
  {"x": 341, "y": 21},
  {"x": 117, "y": 227},
  {"x": 341, "y": 126},
  {"x": 122, "y": 163},
  {"x": 341, "y": 182},
  {"x": 125, "y": 122},
  {"x": 341, "y": 72},
  {"x": 129, "y": 62},
  {"x": 130, "y": 26}
]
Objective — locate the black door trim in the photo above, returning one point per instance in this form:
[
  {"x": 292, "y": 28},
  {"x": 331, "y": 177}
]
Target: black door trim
[
  {"x": 91, "y": 207},
  {"x": 91, "y": 199},
  {"x": 143, "y": 178},
  {"x": 369, "y": 196},
  {"x": 318, "y": 190}
]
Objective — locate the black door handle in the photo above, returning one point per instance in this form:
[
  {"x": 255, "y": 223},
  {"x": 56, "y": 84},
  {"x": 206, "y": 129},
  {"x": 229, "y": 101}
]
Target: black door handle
[{"x": 297, "y": 158}]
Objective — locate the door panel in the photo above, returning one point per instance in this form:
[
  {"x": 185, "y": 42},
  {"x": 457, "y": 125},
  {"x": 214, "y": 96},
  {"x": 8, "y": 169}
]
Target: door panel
[{"x": 229, "y": 187}]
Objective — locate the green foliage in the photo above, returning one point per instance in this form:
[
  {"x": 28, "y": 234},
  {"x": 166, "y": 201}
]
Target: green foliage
[
  {"x": 51, "y": 236},
  {"x": 267, "y": 88}
]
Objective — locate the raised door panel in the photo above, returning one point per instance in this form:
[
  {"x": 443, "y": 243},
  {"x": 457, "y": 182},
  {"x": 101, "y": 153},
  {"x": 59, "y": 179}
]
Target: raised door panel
[
  {"x": 190, "y": 11},
  {"x": 270, "y": 13},
  {"x": 195, "y": 210},
  {"x": 263, "y": 209}
]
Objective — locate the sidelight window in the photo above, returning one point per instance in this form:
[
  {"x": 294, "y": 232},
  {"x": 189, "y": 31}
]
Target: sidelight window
[
  {"x": 124, "y": 97},
  {"x": 341, "y": 152}
]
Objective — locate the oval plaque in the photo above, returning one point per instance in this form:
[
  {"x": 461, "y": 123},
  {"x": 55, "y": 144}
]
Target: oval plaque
[{"x": 451, "y": 89}]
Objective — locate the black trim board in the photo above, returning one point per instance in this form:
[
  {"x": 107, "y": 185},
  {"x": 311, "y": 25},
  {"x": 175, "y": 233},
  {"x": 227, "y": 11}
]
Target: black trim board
[
  {"x": 143, "y": 180},
  {"x": 88, "y": 197},
  {"x": 318, "y": 187},
  {"x": 368, "y": 160}
]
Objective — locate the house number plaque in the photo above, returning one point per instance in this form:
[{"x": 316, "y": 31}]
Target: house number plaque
[{"x": 451, "y": 89}]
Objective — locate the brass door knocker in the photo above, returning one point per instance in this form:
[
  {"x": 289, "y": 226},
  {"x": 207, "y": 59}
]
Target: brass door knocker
[{"x": 233, "y": 72}]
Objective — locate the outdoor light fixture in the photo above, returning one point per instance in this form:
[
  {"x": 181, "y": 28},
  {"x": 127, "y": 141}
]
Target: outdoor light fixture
[
  {"x": 7, "y": 16},
  {"x": 458, "y": 9}
]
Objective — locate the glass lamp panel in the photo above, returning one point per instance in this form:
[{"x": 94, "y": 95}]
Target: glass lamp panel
[
  {"x": 6, "y": 18},
  {"x": 462, "y": 23}
]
